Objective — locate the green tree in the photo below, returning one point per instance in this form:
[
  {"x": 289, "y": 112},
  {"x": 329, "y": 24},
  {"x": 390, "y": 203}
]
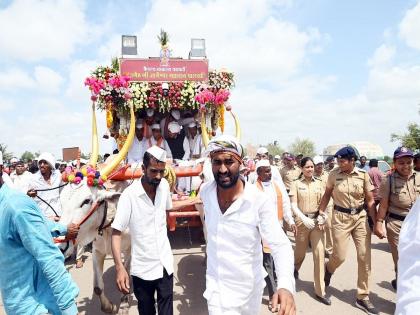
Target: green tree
[
  {"x": 274, "y": 149},
  {"x": 302, "y": 146},
  {"x": 26, "y": 156},
  {"x": 6, "y": 155},
  {"x": 411, "y": 139}
]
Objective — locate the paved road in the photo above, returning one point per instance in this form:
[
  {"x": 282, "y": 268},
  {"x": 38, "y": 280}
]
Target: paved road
[{"x": 189, "y": 281}]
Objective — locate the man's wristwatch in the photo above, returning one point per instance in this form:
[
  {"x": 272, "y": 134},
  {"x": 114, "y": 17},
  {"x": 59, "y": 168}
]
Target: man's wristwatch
[{"x": 380, "y": 220}]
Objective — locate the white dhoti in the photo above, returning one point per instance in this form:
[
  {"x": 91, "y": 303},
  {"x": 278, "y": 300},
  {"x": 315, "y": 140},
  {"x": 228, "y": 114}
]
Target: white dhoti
[{"x": 252, "y": 307}]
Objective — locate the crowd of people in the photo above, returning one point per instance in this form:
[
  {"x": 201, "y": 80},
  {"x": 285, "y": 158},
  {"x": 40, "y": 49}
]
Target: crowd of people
[{"x": 250, "y": 204}]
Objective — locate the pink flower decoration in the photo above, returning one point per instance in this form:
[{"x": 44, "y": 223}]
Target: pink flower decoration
[{"x": 221, "y": 97}]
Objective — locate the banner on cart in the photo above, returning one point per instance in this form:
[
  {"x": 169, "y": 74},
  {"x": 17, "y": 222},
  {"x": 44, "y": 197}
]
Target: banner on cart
[{"x": 172, "y": 70}]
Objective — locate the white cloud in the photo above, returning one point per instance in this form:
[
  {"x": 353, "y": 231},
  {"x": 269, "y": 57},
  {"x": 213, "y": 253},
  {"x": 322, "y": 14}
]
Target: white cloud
[
  {"x": 15, "y": 79},
  {"x": 48, "y": 80},
  {"x": 78, "y": 71},
  {"x": 6, "y": 105},
  {"x": 382, "y": 55},
  {"x": 34, "y": 30},
  {"x": 410, "y": 26},
  {"x": 242, "y": 36}
]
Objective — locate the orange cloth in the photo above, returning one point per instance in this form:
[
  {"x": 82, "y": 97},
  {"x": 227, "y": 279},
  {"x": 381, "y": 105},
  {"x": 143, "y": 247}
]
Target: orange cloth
[
  {"x": 279, "y": 198},
  {"x": 266, "y": 249}
]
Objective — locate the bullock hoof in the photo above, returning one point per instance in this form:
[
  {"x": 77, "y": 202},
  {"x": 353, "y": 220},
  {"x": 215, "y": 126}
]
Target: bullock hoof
[{"x": 109, "y": 308}]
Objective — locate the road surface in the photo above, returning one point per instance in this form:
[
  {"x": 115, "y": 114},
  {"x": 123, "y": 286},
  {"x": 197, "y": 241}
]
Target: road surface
[{"x": 189, "y": 281}]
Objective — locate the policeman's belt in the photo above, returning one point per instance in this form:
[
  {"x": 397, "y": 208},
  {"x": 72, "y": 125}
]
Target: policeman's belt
[
  {"x": 312, "y": 215},
  {"x": 396, "y": 216},
  {"x": 349, "y": 210}
]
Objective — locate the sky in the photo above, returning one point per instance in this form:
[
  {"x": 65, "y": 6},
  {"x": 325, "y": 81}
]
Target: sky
[{"x": 330, "y": 71}]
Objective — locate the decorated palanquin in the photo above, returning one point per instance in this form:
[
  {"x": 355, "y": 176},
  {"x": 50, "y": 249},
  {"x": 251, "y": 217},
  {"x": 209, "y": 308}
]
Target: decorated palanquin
[{"x": 129, "y": 87}]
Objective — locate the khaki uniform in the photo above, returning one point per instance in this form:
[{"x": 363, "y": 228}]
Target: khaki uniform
[
  {"x": 401, "y": 194},
  {"x": 328, "y": 238},
  {"x": 349, "y": 192},
  {"x": 308, "y": 196},
  {"x": 289, "y": 175}
]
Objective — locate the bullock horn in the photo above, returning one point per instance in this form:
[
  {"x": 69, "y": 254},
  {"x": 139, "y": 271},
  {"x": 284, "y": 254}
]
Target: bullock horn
[
  {"x": 237, "y": 126},
  {"x": 95, "y": 140},
  {"x": 204, "y": 133},
  {"x": 124, "y": 150}
]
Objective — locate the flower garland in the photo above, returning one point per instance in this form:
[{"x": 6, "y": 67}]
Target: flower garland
[{"x": 93, "y": 177}]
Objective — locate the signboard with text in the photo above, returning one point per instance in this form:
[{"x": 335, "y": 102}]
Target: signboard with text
[{"x": 173, "y": 70}]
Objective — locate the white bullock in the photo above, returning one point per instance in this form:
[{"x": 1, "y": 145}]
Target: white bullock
[{"x": 78, "y": 203}]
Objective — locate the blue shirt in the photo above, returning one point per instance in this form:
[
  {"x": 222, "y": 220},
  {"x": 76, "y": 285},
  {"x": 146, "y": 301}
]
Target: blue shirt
[{"x": 33, "y": 279}]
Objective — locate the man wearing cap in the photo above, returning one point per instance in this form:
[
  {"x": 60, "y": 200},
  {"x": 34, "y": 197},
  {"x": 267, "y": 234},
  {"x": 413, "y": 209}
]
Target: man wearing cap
[
  {"x": 139, "y": 146},
  {"x": 262, "y": 154},
  {"x": 237, "y": 216},
  {"x": 351, "y": 189},
  {"x": 45, "y": 187},
  {"x": 176, "y": 135},
  {"x": 273, "y": 191},
  {"x": 33, "y": 278},
  {"x": 290, "y": 171},
  {"x": 21, "y": 177},
  {"x": 159, "y": 141},
  {"x": 6, "y": 179},
  {"x": 194, "y": 142},
  {"x": 329, "y": 163},
  {"x": 142, "y": 208},
  {"x": 399, "y": 191},
  {"x": 278, "y": 162}
]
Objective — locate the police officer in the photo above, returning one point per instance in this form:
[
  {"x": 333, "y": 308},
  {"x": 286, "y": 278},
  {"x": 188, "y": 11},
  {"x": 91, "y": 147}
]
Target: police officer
[
  {"x": 305, "y": 194},
  {"x": 322, "y": 174},
  {"x": 398, "y": 192},
  {"x": 351, "y": 189}
]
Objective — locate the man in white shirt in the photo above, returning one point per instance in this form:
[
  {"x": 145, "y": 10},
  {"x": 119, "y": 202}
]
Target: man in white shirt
[
  {"x": 21, "y": 177},
  {"x": 157, "y": 140},
  {"x": 262, "y": 154},
  {"x": 6, "y": 179},
  {"x": 237, "y": 217},
  {"x": 45, "y": 187},
  {"x": 142, "y": 208},
  {"x": 194, "y": 142},
  {"x": 139, "y": 146}
]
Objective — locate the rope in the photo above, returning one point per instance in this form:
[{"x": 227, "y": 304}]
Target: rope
[
  {"x": 48, "y": 189},
  {"x": 48, "y": 205}
]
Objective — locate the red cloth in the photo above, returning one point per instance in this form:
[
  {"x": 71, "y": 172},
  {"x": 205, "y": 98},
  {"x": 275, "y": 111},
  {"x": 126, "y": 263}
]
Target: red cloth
[{"x": 376, "y": 175}]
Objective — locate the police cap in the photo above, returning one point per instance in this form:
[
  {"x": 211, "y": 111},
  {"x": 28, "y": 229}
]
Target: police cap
[{"x": 346, "y": 153}]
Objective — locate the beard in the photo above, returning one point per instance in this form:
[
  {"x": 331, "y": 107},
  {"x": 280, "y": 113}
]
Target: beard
[
  {"x": 152, "y": 181},
  {"x": 220, "y": 180}
]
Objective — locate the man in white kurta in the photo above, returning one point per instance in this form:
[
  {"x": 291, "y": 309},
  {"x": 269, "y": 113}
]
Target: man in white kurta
[
  {"x": 21, "y": 178},
  {"x": 44, "y": 187},
  {"x": 142, "y": 208},
  {"x": 139, "y": 146},
  {"x": 237, "y": 217}
]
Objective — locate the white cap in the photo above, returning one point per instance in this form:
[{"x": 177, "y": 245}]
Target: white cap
[
  {"x": 317, "y": 159},
  {"x": 262, "y": 150},
  {"x": 14, "y": 160},
  {"x": 155, "y": 126},
  {"x": 1, "y": 158},
  {"x": 192, "y": 124},
  {"x": 158, "y": 153},
  {"x": 174, "y": 127},
  {"x": 262, "y": 163},
  {"x": 139, "y": 123},
  {"x": 277, "y": 156},
  {"x": 175, "y": 114},
  {"x": 49, "y": 158},
  {"x": 150, "y": 112}
]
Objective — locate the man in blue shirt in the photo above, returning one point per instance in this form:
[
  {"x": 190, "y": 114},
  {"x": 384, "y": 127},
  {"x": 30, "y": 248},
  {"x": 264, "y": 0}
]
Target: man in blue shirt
[{"x": 33, "y": 279}]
